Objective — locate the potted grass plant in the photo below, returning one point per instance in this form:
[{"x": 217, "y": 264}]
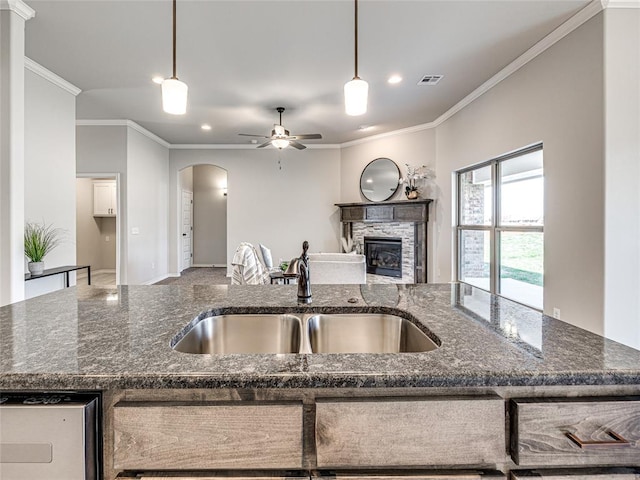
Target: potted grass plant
[{"x": 39, "y": 239}]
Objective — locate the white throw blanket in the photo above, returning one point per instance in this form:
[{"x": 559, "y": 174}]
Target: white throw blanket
[{"x": 247, "y": 267}]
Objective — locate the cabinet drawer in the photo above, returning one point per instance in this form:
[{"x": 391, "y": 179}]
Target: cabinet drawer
[
  {"x": 548, "y": 432},
  {"x": 210, "y": 476},
  {"x": 410, "y": 432},
  {"x": 434, "y": 475},
  {"x": 207, "y": 436},
  {"x": 583, "y": 474}
]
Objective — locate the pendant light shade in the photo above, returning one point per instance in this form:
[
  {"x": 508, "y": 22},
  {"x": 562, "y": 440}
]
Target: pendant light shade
[
  {"x": 174, "y": 92},
  {"x": 355, "y": 97},
  {"x": 357, "y": 90},
  {"x": 174, "y": 96}
]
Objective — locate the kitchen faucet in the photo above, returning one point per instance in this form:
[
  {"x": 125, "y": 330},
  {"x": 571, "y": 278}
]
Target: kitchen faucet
[{"x": 300, "y": 268}]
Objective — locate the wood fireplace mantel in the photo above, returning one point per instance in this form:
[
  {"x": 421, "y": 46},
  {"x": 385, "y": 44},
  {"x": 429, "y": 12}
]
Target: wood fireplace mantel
[
  {"x": 409, "y": 211},
  {"x": 413, "y": 211}
]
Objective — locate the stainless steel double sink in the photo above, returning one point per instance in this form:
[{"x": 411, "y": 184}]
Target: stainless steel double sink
[{"x": 304, "y": 333}]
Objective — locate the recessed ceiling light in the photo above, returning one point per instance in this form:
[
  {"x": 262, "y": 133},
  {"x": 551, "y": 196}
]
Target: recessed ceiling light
[
  {"x": 364, "y": 128},
  {"x": 394, "y": 79},
  {"x": 157, "y": 80},
  {"x": 205, "y": 126}
]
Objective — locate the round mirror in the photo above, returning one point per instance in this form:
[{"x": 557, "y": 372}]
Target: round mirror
[{"x": 379, "y": 180}]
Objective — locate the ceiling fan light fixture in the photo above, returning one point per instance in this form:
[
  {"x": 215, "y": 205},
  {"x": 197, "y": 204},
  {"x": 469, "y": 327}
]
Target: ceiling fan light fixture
[
  {"x": 174, "y": 96},
  {"x": 174, "y": 92},
  {"x": 355, "y": 97},
  {"x": 280, "y": 143}
]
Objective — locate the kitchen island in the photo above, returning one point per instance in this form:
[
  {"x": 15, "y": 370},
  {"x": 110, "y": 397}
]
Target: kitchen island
[{"x": 496, "y": 362}]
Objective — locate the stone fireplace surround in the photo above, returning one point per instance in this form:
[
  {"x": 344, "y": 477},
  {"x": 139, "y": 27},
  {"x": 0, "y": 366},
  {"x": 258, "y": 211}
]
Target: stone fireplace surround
[
  {"x": 402, "y": 230},
  {"x": 406, "y": 219}
]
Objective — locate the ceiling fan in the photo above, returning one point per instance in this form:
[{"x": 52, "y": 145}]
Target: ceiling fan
[{"x": 280, "y": 138}]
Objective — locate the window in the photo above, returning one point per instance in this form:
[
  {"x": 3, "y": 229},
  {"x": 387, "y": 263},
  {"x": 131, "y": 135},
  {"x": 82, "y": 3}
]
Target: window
[{"x": 500, "y": 226}]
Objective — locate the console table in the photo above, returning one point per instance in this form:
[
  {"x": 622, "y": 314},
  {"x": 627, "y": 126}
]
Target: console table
[
  {"x": 406, "y": 211},
  {"x": 61, "y": 270}
]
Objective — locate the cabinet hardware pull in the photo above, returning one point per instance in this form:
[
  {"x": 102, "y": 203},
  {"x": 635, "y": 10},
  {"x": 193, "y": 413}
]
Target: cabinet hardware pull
[{"x": 618, "y": 441}]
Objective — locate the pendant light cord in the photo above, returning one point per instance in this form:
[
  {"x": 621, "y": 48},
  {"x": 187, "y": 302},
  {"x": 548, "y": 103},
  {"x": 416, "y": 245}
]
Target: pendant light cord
[
  {"x": 356, "y": 42},
  {"x": 174, "y": 40}
]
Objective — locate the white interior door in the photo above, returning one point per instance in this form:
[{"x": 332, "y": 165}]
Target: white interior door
[{"x": 187, "y": 229}]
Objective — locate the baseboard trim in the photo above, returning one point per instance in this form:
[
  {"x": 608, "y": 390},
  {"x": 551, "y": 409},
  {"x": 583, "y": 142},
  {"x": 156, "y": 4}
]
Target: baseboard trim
[
  {"x": 208, "y": 265},
  {"x": 156, "y": 280}
]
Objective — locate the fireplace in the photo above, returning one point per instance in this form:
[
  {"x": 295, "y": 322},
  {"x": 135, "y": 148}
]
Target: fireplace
[{"x": 384, "y": 256}]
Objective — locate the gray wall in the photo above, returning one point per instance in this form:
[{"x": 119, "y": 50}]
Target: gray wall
[
  {"x": 622, "y": 176},
  {"x": 279, "y": 205},
  {"x": 209, "y": 215},
  {"x": 556, "y": 99},
  {"x": 147, "y": 208},
  {"x": 49, "y": 171},
  {"x": 103, "y": 150},
  {"x": 142, "y": 166}
]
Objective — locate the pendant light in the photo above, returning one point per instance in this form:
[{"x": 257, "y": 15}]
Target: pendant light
[
  {"x": 174, "y": 92},
  {"x": 357, "y": 90}
]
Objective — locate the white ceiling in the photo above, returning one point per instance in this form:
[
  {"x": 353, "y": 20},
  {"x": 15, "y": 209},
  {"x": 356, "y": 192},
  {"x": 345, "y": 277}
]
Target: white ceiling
[{"x": 241, "y": 59}]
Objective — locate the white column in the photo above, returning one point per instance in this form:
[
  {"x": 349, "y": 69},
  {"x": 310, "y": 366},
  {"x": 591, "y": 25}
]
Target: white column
[{"x": 13, "y": 15}]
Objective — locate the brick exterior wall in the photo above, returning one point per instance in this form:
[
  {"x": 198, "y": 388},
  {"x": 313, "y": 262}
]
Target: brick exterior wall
[{"x": 472, "y": 244}]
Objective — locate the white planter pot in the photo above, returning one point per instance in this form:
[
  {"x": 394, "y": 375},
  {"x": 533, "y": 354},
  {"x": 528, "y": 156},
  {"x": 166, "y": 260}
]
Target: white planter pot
[{"x": 36, "y": 268}]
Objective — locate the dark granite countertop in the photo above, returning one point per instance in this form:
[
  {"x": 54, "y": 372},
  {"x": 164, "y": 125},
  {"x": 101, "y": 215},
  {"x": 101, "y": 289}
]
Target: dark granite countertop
[{"x": 99, "y": 338}]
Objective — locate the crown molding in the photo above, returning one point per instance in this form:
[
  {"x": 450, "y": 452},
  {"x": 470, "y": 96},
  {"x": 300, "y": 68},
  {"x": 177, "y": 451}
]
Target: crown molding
[
  {"x": 124, "y": 123},
  {"x": 393, "y": 133},
  {"x": 47, "y": 74},
  {"x": 148, "y": 134},
  {"x": 235, "y": 146},
  {"x": 620, "y": 3},
  {"x": 554, "y": 37},
  {"x": 19, "y": 7}
]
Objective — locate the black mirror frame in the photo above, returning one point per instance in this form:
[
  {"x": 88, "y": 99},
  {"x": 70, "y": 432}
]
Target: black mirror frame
[{"x": 365, "y": 169}]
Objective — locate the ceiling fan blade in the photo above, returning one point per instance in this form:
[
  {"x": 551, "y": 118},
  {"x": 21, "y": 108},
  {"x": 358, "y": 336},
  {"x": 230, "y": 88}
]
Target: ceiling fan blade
[
  {"x": 308, "y": 136},
  {"x": 297, "y": 145},
  {"x": 265, "y": 144},
  {"x": 252, "y": 135}
]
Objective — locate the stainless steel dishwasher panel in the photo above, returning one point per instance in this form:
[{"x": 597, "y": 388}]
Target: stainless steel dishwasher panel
[{"x": 41, "y": 438}]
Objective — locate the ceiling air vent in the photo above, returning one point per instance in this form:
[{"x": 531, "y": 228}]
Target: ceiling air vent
[{"x": 430, "y": 79}]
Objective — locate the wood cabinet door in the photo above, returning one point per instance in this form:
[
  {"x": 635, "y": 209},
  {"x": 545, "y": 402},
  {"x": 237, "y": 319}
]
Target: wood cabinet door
[
  {"x": 585, "y": 474},
  {"x": 176, "y": 436},
  {"x": 575, "y": 432},
  {"x": 410, "y": 432},
  {"x": 102, "y": 199}
]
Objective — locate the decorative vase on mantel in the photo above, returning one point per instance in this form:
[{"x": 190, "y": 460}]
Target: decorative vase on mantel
[
  {"x": 36, "y": 268},
  {"x": 411, "y": 194}
]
